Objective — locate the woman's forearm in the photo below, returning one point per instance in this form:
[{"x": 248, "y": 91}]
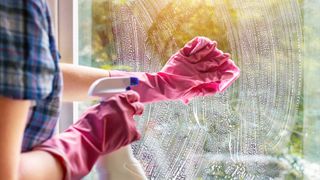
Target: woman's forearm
[{"x": 77, "y": 80}]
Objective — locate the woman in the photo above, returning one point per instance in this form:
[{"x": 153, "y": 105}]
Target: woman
[{"x": 31, "y": 89}]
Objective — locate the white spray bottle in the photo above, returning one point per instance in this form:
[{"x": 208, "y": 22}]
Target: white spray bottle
[
  {"x": 109, "y": 86},
  {"x": 120, "y": 164}
]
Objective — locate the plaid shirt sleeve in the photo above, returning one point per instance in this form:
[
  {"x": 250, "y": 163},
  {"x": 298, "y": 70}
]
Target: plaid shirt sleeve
[
  {"x": 26, "y": 63},
  {"x": 29, "y": 65}
]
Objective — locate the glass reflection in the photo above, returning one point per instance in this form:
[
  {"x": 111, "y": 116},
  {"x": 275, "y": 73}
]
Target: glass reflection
[{"x": 260, "y": 128}]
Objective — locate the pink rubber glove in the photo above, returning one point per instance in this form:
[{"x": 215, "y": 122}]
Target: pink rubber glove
[
  {"x": 198, "y": 69},
  {"x": 102, "y": 129}
]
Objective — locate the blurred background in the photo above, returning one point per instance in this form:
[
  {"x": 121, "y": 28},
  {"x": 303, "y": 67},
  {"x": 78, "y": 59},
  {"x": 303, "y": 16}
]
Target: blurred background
[{"x": 265, "y": 126}]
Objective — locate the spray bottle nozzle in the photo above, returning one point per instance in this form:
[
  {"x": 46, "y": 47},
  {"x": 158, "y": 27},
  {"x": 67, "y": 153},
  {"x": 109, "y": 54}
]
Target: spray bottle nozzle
[{"x": 134, "y": 81}]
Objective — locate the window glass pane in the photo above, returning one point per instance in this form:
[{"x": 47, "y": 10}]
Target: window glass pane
[{"x": 266, "y": 125}]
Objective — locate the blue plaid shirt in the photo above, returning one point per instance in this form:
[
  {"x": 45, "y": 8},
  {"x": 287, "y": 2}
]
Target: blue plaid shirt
[{"x": 29, "y": 65}]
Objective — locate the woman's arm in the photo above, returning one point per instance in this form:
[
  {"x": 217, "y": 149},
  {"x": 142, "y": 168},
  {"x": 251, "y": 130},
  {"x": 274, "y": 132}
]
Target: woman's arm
[
  {"x": 12, "y": 123},
  {"x": 77, "y": 80},
  {"x": 14, "y": 165}
]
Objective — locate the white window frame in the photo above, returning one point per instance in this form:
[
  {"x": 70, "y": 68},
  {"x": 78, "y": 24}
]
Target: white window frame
[{"x": 65, "y": 22}]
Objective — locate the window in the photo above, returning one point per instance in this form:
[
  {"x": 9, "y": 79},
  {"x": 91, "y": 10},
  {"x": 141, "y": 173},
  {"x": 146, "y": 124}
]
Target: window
[
  {"x": 63, "y": 20},
  {"x": 266, "y": 126}
]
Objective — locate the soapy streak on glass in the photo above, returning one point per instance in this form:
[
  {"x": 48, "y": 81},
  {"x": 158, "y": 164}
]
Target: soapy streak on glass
[{"x": 243, "y": 133}]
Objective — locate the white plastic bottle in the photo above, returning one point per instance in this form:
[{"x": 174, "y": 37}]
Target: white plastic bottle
[
  {"x": 120, "y": 164},
  {"x": 109, "y": 86}
]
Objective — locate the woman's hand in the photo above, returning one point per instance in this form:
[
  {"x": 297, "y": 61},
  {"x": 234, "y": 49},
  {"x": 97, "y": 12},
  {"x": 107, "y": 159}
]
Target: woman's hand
[
  {"x": 102, "y": 129},
  {"x": 198, "y": 69},
  {"x": 201, "y": 62}
]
